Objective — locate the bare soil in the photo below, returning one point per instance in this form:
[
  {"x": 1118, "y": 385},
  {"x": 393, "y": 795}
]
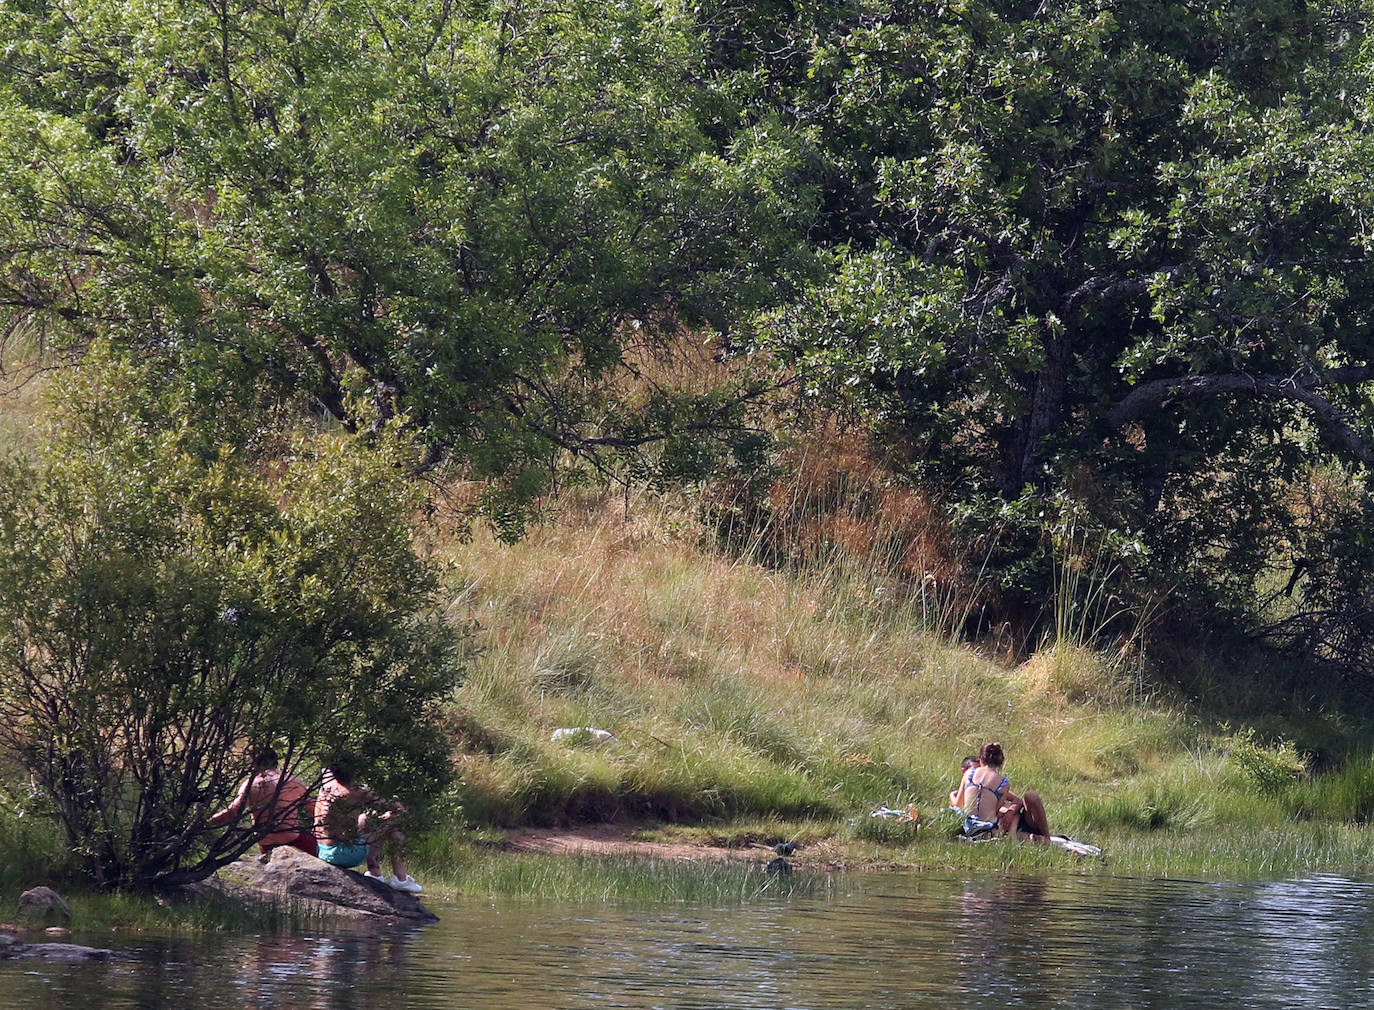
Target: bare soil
[
  {"x": 614, "y": 840},
  {"x": 619, "y": 840}
]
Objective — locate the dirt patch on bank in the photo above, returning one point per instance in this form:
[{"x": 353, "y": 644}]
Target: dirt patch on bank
[
  {"x": 619, "y": 840},
  {"x": 616, "y": 840}
]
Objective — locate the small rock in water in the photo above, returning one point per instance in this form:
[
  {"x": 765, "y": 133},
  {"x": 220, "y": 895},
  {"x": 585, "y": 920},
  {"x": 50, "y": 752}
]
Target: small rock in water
[
  {"x": 58, "y": 931},
  {"x": 781, "y": 867}
]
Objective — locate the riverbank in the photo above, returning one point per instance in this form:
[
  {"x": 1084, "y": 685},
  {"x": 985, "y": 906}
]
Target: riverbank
[
  {"x": 601, "y": 861},
  {"x": 744, "y": 704},
  {"x": 728, "y": 865}
]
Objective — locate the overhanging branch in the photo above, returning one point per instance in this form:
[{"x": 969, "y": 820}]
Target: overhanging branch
[{"x": 1159, "y": 393}]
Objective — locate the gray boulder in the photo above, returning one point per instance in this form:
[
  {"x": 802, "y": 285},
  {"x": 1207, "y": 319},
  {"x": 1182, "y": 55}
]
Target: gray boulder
[
  {"x": 321, "y": 889},
  {"x": 43, "y": 903},
  {"x": 12, "y": 947}
]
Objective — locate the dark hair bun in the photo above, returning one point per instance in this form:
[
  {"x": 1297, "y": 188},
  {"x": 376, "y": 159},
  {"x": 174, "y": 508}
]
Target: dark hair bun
[{"x": 991, "y": 754}]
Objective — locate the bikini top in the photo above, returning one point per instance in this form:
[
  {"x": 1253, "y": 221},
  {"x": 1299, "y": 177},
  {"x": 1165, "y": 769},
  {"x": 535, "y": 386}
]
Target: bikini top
[{"x": 976, "y": 805}]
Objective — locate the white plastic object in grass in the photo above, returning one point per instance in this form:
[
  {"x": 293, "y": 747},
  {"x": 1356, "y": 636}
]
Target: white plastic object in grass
[{"x": 581, "y": 734}]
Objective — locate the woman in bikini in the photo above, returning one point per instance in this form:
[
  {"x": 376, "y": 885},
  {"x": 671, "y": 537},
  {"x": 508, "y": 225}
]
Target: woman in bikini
[{"x": 985, "y": 797}]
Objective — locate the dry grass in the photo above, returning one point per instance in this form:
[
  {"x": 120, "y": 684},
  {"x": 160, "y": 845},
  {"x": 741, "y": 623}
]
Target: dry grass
[
  {"x": 22, "y": 382},
  {"x": 731, "y": 685}
]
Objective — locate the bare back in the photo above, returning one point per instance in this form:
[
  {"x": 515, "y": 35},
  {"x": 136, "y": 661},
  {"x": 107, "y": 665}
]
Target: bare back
[
  {"x": 982, "y": 792},
  {"x": 276, "y": 802},
  {"x": 336, "y": 812}
]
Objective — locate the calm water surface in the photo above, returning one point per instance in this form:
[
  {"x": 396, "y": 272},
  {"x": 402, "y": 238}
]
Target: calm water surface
[{"x": 865, "y": 941}]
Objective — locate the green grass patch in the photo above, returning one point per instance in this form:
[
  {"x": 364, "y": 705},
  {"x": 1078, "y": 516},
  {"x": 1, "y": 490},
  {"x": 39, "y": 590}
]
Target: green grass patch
[
  {"x": 742, "y": 696},
  {"x": 1344, "y": 795},
  {"x": 32, "y": 849},
  {"x": 475, "y": 872}
]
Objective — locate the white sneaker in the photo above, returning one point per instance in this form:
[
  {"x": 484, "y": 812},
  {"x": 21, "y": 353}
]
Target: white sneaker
[
  {"x": 377, "y": 877},
  {"x": 405, "y": 884}
]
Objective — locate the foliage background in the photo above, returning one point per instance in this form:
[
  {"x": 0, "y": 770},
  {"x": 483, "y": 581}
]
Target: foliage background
[{"x": 1072, "y": 302}]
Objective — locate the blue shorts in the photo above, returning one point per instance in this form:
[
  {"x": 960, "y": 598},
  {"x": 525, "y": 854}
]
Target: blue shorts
[
  {"x": 973, "y": 828},
  {"x": 344, "y": 855}
]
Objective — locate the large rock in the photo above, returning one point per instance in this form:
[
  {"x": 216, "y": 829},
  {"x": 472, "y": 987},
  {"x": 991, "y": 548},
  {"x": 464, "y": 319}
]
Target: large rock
[
  {"x": 43, "y": 903},
  {"x": 11, "y": 946},
  {"x": 319, "y": 888}
]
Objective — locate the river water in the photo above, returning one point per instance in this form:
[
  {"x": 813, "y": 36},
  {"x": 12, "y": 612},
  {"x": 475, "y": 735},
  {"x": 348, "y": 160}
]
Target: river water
[{"x": 890, "y": 940}]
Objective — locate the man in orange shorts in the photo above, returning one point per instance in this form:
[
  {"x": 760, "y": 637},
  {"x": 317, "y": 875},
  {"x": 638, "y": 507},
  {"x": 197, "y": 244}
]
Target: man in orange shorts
[{"x": 276, "y": 801}]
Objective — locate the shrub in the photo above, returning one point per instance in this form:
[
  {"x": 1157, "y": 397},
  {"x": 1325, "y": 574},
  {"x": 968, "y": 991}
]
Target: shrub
[
  {"x": 1271, "y": 768},
  {"x": 166, "y": 604}
]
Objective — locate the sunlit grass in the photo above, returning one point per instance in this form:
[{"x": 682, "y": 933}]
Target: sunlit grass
[
  {"x": 1237, "y": 851},
  {"x": 742, "y": 695},
  {"x": 738, "y": 691},
  {"x": 474, "y": 872}
]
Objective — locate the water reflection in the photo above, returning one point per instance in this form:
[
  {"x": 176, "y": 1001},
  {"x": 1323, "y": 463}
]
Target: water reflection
[
  {"x": 319, "y": 973},
  {"x": 998, "y": 948},
  {"x": 871, "y": 941}
]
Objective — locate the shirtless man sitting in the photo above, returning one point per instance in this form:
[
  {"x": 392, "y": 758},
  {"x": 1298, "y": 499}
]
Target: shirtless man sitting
[
  {"x": 351, "y": 822},
  {"x": 276, "y": 802},
  {"x": 971, "y": 761}
]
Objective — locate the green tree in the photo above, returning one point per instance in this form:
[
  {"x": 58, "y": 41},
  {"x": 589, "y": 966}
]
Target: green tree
[
  {"x": 480, "y": 216},
  {"x": 168, "y": 602},
  {"x": 1115, "y": 252}
]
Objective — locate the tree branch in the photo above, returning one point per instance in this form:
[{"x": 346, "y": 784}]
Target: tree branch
[{"x": 1159, "y": 393}]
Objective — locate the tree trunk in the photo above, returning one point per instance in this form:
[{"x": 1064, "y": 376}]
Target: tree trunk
[{"x": 1023, "y": 444}]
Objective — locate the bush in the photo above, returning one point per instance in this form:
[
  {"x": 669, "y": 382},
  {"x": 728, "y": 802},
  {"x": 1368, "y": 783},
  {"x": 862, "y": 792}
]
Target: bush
[
  {"x": 1271, "y": 768},
  {"x": 167, "y": 602}
]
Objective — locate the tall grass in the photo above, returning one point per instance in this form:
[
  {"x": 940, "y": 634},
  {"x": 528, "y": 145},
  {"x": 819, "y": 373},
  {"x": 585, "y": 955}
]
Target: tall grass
[
  {"x": 740, "y": 690},
  {"x": 735, "y": 689},
  {"x": 22, "y": 378},
  {"x": 530, "y": 877},
  {"x": 31, "y": 851}
]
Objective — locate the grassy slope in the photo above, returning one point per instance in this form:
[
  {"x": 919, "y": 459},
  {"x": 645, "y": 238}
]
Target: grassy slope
[{"x": 761, "y": 705}]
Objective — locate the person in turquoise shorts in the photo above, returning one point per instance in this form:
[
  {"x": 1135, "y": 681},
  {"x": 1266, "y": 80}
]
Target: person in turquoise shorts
[{"x": 352, "y": 822}]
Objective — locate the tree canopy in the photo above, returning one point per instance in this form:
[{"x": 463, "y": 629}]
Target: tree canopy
[
  {"x": 1111, "y": 258},
  {"x": 476, "y": 215},
  {"x": 1114, "y": 251}
]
